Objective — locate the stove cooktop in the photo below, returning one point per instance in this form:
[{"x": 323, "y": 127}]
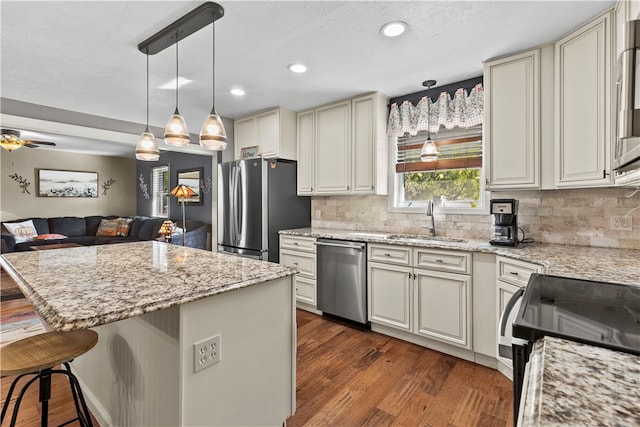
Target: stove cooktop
[{"x": 596, "y": 313}]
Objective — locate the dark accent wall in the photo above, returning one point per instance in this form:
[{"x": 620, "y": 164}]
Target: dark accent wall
[{"x": 176, "y": 162}]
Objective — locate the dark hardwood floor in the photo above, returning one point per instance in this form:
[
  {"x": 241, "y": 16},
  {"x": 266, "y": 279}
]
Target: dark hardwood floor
[{"x": 349, "y": 377}]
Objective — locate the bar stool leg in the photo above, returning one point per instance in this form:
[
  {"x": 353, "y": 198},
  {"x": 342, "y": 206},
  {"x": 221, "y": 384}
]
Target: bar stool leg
[
  {"x": 9, "y": 394},
  {"x": 44, "y": 396},
  {"x": 84, "y": 416},
  {"x": 16, "y": 406}
]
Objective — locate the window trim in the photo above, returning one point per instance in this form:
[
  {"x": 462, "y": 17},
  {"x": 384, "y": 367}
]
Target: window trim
[{"x": 420, "y": 207}]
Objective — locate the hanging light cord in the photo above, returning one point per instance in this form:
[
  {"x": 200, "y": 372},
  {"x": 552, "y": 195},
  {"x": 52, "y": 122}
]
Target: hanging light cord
[
  {"x": 147, "y": 128},
  {"x": 213, "y": 67},
  {"x": 177, "y": 34}
]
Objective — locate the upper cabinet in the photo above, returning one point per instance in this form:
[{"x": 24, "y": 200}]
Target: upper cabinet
[
  {"x": 272, "y": 132},
  {"x": 342, "y": 147},
  {"x": 583, "y": 67},
  {"x": 512, "y": 121}
]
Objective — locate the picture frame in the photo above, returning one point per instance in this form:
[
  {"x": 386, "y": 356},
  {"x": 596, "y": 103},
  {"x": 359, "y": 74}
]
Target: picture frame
[
  {"x": 249, "y": 152},
  {"x": 192, "y": 178},
  {"x": 66, "y": 183}
]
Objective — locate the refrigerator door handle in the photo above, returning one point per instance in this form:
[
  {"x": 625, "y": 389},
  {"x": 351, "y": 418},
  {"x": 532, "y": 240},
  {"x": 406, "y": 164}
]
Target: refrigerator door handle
[{"x": 240, "y": 205}]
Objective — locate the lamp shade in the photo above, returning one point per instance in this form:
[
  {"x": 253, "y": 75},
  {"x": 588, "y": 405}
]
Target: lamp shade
[
  {"x": 183, "y": 191},
  {"x": 147, "y": 149},
  {"x": 167, "y": 227},
  {"x": 176, "y": 133},
  {"x": 429, "y": 151},
  {"x": 213, "y": 135}
]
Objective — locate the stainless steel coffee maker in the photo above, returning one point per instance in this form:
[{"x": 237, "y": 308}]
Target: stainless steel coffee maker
[{"x": 504, "y": 231}]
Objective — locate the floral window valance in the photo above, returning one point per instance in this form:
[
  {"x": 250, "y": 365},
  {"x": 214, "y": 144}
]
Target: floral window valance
[{"x": 463, "y": 110}]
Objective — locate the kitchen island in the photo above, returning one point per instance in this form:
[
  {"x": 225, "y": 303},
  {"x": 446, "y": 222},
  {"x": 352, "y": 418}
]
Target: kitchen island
[{"x": 151, "y": 303}]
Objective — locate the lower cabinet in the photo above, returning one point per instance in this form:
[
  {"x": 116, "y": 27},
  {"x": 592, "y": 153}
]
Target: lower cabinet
[
  {"x": 300, "y": 253},
  {"x": 430, "y": 303}
]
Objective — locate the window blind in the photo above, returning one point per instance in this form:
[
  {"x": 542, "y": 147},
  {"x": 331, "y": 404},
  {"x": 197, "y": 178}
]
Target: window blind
[
  {"x": 160, "y": 191},
  {"x": 458, "y": 149}
]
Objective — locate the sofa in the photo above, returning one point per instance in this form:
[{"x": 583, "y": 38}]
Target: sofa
[{"x": 85, "y": 231}]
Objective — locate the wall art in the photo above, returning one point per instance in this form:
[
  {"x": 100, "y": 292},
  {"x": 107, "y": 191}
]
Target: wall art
[
  {"x": 61, "y": 183},
  {"x": 106, "y": 185},
  {"x": 22, "y": 182},
  {"x": 143, "y": 187}
]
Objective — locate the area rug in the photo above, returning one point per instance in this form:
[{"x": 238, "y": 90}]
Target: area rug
[{"x": 18, "y": 326}]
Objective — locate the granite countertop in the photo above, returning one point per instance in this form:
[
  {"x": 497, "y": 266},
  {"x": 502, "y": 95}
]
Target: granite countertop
[
  {"x": 78, "y": 288},
  {"x": 580, "y": 262},
  {"x": 569, "y": 383}
]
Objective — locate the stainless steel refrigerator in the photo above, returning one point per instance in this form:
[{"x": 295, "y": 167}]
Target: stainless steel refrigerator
[{"x": 256, "y": 199}]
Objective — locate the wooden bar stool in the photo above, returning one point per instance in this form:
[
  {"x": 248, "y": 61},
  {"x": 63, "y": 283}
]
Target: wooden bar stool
[{"x": 37, "y": 355}]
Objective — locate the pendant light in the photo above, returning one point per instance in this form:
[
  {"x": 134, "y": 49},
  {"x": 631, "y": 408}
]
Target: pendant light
[
  {"x": 147, "y": 149},
  {"x": 176, "y": 133},
  {"x": 429, "y": 151},
  {"x": 213, "y": 135}
]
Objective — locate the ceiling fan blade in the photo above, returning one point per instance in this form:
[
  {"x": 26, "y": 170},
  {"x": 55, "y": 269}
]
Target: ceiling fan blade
[
  {"x": 29, "y": 144},
  {"x": 53, "y": 144}
]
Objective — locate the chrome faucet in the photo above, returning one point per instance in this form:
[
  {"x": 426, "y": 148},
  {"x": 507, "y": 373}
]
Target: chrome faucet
[{"x": 432, "y": 228}]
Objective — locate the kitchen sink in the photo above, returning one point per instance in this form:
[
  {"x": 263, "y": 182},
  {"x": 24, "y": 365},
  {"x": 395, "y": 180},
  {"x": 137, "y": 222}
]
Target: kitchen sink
[
  {"x": 369, "y": 235},
  {"x": 419, "y": 238}
]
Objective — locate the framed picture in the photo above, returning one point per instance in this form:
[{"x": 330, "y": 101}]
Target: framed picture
[
  {"x": 193, "y": 179},
  {"x": 249, "y": 152},
  {"x": 60, "y": 183}
]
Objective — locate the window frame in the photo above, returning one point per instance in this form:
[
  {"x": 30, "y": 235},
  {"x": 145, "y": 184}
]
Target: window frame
[
  {"x": 154, "y": 193},
  {"x": 395, "y": 189}
]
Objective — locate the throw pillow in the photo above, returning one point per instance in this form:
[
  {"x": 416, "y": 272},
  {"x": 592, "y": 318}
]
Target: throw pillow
[
  {"x": 123, "y": 226},
  {"x": 108, "y": 228},
  {"x": 51, "y": 236},
  {"x": 22, "y": 231}
]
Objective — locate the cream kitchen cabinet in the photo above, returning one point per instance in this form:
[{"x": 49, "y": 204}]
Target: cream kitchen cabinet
[
  {"x": 433, "y": 303},
  {"x": 583, "y": 132},
  {"x": 333, "y": 149},
  {"x": 273, "y": 132},
  {"x": 511, "y": 275},
  {"x": 342, "y": 147},
  {"x": 300, "y": 253},
  {"x": 512, "y": 121}
]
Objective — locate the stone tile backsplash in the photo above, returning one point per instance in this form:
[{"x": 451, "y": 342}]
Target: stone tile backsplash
[{"x": 572, "y": 217}]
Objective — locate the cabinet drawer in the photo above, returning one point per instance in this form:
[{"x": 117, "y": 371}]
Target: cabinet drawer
[
  {"x": 399, "y": 255},
  {"x": 304, "y": 263},
  {"x": 514, "y": 271},
  {"x": 455, "y": 262},
  {"x": 298, "y": 243},
  {"x": 305, "y": 290}
]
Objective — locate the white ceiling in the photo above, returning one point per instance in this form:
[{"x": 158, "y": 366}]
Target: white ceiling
[{"x": 82, "y": 55}]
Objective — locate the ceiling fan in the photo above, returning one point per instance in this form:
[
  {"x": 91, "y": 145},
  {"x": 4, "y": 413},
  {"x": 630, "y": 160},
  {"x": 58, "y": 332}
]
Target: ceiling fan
[{"x": 11, "y": 141}]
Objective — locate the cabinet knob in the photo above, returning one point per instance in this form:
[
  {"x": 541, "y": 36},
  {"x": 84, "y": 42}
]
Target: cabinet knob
[
  {"x": 348, "y": 188},
  {"x": 295, "y": 263},
  {"x": 311, "y": 188},
  {"x": 295, "y": 243}
]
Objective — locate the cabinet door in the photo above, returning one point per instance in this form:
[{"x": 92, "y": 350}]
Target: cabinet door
[
  {"x": 267, "y": 133},
  {"x": 364, "y": 145},
  {"x": 512, "y": 121},
  {"x": 333, "y": 148},
  {"x": 243, "y": 135},
  {"x": 306, "y": 158},
  {"x": 504, "y": 293},
  {"x": 583, "y": 132},
  {"x": 443, "y": 307},
  {"x": 305, "y": 290},
  {"x": 389, "y": 295}
]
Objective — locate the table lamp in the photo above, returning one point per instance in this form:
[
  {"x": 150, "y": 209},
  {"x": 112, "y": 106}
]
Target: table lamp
[
  {"x": 166, "y": 229},
  {"x": 183, "y": 192}
]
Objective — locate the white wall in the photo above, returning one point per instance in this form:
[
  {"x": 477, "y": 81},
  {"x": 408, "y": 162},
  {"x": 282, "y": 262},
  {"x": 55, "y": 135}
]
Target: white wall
[{"x": 14, "y": 204}]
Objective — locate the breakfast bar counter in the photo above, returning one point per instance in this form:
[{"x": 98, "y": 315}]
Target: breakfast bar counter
[{"x": 152, "y": 305}]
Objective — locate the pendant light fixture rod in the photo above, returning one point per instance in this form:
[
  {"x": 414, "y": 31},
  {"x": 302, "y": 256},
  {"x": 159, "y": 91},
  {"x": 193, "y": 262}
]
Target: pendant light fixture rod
[
  {"x": 213, "y": 68},
  {"x": 188, "y": 24},
  {"x": 146, "y": 129},
  {"x": 177, "y": 73}
]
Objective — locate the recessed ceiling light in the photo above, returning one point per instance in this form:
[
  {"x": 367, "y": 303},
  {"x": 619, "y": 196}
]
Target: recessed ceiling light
[
  {"x": 172, "y": 83},
  {"x": 298, "y": 68},
  {"x": 394, "y": 29},
  {"x": 237, "y": 92}
]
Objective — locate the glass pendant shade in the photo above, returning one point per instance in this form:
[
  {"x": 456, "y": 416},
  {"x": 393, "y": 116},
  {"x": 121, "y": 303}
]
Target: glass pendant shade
[
  {"x": 147, "y": 149},
  {"x": 176, "y": 133},
  {"x": 429, "y": 151},
  {"x": 213, "y": 135}
]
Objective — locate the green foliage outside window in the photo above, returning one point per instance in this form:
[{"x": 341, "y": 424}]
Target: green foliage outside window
[{"x": 459, "y": 184}]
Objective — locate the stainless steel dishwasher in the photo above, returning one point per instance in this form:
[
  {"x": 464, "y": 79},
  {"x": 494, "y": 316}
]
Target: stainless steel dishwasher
[{"x": 342, "y": 279}]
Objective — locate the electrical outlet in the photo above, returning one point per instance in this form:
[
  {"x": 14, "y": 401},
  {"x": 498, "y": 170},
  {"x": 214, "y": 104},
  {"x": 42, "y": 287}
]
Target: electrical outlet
[
  {"x": 318, "y": 214},
  {"x": 206, "y": 353},
  {"x": 620, "y": 223}
]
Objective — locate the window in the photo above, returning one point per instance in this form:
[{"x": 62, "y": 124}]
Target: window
[
  {"x": 160, "y": 191},
  {"x": 455, "y": 182}
]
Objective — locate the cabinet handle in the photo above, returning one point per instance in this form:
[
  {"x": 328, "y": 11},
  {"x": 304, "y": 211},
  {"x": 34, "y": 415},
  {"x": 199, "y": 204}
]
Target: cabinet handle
[
  {"x": 515, "y": 273},
  {"x": 311, "y": 188},
  {"x": 348, "y": 188},
  {"x": 295, "y": 263},
  {"x": 387, "y": 254},
  {"x": 409, "y": 276},
  {"x": 439, "y": 261},
  {"x": 414, "y": 276},
  {"x": 605, "y": 173},
  {"x": 295, "y": 243}
]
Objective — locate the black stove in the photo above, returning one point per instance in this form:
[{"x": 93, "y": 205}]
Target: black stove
[{"x": 600, "y": 314}]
